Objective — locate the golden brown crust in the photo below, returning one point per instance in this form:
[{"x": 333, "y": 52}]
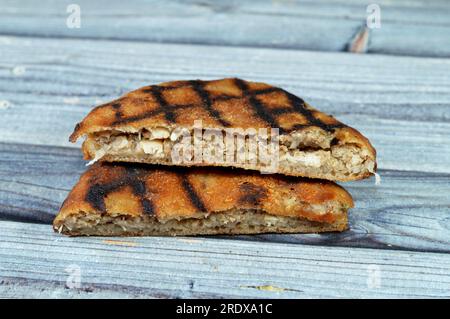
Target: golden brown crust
[
  {"x": 220, "y": 103},
  {"x": 167, "y": 193}
]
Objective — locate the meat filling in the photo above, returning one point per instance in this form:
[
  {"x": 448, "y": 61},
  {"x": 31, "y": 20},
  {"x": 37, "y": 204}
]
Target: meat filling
[{"x": 310, "y": 152}]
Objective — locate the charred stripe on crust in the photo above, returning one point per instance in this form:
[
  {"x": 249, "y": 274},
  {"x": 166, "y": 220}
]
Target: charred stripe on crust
[
  {"x": 207, "y": 103},
  {"x": 257, "y": 105},
  {"x": 96, "y": 194},
  {"x": 299, "y": 106},
  {"x": 192, "y": 194},
  {"x": 118, "y": 112},
  {"x": 156, "y": 91},
  {"x": 252, "y": 194},
  {"x": 169, "y": 108}
]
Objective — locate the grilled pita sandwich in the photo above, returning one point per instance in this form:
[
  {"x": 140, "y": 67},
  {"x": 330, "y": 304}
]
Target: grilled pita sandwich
[
  {"x": 120, "y": 199},
  {"x": 146, "y": 125}
]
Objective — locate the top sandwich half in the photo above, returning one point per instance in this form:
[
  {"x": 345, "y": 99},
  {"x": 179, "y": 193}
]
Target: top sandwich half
[{"x": 224, "y": 122}]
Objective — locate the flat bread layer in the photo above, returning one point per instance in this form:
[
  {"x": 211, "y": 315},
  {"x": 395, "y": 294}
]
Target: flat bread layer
[
  {"x": 131, "y": 199},
  {"x": 145, "y": 126}
]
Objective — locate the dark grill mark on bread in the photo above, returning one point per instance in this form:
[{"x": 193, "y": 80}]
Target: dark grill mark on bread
[
  {"x": 281, "y": 110},
  {"x": 249, "y": 99},
  {"x": 132, "y": 177},
  {"x": 118, "y": 113},
  {"x": 257, "y": 105},
  {"x": 95, "y": 196},
  {"x": 299, "y": 106},
  {"x": 136, "y": 178},
  {"x": 334, "y": 141},
  {"x": 224, "y": 97},
  {"x": 192, "y": 194},
  {"x": 252, "y": 194},
  {"x": 138, "y": 187},
  {"x": 266, "y": 90},
  {"x": 147, "y": 207},
  {"x": 156, "y": 91},
  {"x": 169, "y": 108},
  {"x": 207, "y": 103},
  {"x": 262, "y": 113}
]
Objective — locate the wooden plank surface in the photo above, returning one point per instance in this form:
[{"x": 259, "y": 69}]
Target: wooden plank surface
[
  {"x": 409, "y": 210},
  {"x": 412, "y": 39},
  {"x": 37, "y": 263},
  {"x": 408, "y": 27},
  {"x": 237, "y": 23},
  {"x": 401, "y": 107},
  {"x": 401, "y": 104}
]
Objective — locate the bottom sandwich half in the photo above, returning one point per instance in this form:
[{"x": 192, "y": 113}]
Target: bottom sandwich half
[{"x": 113, "y": 199}]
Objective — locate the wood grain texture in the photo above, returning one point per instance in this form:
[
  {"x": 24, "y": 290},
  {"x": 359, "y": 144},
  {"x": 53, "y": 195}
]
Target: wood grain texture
[
  {"x": 400, "y": 104},
  {"x": 412, "y": 39},
  {"x": 36, "y": 263},
  {"x": 409, "y": 210},
  {"x": 407, "y": 27},
  {"x": 237, "y": 23}
]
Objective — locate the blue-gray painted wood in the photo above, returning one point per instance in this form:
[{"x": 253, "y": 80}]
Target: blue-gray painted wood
[
  {"x": 207, "y": 22},
  {"x": 37, "y": 263},
  {"x": 407, "y": 27},
  {"x": 409, "y": 210},
  {"x": 400, "y": 103},
  {"x": 412, "y": 39}
]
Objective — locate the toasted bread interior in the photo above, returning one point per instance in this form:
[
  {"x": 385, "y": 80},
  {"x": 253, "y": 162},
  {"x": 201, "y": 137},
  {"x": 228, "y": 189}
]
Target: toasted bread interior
[
  {"x": 312, "y": 152},
  {"x": 246, "y": 221}
]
